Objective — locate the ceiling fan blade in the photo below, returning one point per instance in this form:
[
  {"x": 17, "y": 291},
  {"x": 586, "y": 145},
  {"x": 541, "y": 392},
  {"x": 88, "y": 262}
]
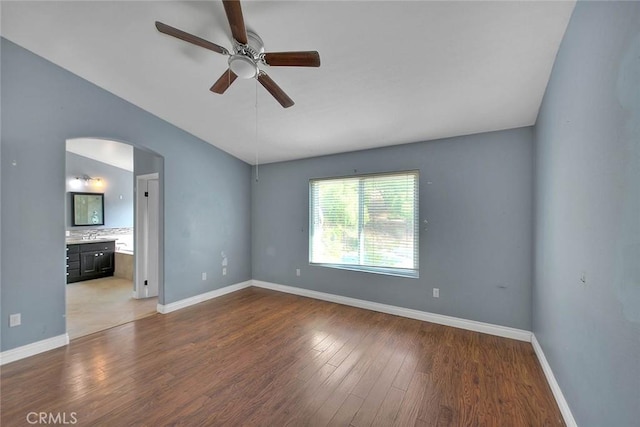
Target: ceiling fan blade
[
  {"x": 236, "y": 21},
  {"x": 223, "y": 83},
  {"x": 167, "y": 29},
  {"x": 275, "y": 90},
  {"x": 293, "y": 59}
]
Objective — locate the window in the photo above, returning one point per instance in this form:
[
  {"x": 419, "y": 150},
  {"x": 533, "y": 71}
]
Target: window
[{"x": 365, "y": 223}]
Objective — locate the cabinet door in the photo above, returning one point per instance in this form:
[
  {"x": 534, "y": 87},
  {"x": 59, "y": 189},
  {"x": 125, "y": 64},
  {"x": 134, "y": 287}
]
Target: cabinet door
[
  {"x": 73, "y": 275},
  {"x": 106, "y": 262},
  {"x": 89, "y": 263}
]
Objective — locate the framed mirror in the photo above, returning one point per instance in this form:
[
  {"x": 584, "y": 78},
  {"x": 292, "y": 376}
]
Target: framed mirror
[{"x": 87, "y": 209}]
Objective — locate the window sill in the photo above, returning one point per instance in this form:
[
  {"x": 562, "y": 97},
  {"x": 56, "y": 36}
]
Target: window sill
[{"x": 397, "y": 272}]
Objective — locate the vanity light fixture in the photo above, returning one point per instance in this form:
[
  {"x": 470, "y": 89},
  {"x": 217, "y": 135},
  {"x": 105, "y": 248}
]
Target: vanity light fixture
[{"x": 78, "y": 181}]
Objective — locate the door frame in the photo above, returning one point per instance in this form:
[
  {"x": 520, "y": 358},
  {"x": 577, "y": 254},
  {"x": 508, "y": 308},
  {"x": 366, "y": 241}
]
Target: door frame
[{"x": 141, "y": 255}]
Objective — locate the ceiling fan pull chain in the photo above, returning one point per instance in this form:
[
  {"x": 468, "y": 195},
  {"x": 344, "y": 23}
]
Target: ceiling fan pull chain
[{"x": 256, "y": 140}]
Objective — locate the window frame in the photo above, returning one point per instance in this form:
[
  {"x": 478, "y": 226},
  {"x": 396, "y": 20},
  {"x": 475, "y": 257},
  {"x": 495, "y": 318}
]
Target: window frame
[{"x": 413, "y": 273}]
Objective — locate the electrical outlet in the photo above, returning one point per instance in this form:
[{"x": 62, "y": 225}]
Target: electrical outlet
[
  {"x": 15, "y": 320},
  {"x": 204, "y": 276},
  {"x": 436, "y": 292},
  {"x": 298, "y": 272},
  {"x": 224, "y": 271}
]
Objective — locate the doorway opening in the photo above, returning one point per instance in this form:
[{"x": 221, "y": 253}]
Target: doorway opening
[{"x": 114, "y": 269}]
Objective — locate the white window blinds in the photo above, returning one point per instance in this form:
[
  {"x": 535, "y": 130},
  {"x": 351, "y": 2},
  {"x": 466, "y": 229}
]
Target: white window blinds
[{"x": 366, "y": 222}]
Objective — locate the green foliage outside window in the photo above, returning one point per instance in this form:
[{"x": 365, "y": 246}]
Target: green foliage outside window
[{"x": 368, "y": 221}]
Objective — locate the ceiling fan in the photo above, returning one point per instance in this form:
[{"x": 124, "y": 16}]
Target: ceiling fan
[{"x": 247, "y": 53}]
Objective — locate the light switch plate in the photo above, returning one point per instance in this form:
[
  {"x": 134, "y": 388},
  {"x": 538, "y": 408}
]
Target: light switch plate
[{"x": 15, "y": 320}]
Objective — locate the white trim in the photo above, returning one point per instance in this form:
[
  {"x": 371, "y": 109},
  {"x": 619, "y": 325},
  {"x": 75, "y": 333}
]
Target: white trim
[
  {"x": 471, "y": 325},
  {"x": 555, "y": 387},
  {"x": 168, "y": 308},
  {"x": 33, "y": 349},
  {"x": 154, "y": 175}
]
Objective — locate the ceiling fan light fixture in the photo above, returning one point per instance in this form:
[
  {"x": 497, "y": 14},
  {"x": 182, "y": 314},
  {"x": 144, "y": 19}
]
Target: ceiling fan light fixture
[
  {"x": 243, "y": 66},
  {"x": 247, "y": 53}
]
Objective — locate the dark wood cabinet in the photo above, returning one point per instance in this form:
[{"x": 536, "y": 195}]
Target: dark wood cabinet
[
  {"x": 90, "y": 260},
  {"x": 73, "y": 263}
]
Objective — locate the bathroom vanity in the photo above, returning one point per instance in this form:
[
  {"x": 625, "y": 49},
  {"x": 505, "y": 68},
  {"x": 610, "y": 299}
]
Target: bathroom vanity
[{"x": 89, "y": 259}]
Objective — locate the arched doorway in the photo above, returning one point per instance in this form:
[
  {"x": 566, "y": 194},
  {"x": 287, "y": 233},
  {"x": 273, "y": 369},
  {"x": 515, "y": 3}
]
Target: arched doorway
[{"x": 110, "y": 266}]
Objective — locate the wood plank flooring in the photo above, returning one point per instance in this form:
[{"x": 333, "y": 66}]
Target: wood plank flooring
[{"x": 262, "y": 358}]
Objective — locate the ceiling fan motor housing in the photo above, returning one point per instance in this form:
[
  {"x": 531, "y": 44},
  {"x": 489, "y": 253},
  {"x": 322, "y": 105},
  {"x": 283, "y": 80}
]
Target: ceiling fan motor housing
[{"x": 244, "y": 61}]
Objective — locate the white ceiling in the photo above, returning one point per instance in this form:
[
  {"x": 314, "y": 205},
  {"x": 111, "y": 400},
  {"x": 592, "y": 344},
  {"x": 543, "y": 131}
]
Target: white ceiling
[
  {"x": 110, "y": 152},
  {"x": 392, "y": 72}
]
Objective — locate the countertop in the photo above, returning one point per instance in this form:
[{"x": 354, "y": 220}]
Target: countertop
[{"x": 82, "y": 242}]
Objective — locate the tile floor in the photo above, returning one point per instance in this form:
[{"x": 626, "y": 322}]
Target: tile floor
[{"x": 95, "y": 305}]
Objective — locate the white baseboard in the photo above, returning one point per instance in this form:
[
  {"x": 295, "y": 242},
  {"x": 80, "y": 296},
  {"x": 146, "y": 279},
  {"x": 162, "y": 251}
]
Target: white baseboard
[
  {"x": 168, "y": 308},
  {"x": 553, "y": 383},
  {"x": 471, "y": 325},
  {"x": 33, "y": 349}
]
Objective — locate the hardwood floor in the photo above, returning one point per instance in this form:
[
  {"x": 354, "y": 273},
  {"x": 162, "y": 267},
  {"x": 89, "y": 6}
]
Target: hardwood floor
[{"x": 262, "y": 358}]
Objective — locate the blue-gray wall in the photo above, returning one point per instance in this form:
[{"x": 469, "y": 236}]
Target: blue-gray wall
[
  {"x": 146, "y": 162},
  {"x": 116, "y": 182},
  {"x": 476, "y": 193},
  {"x": 587, "y": 144},
  {"x": 207, "y": 196}
]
